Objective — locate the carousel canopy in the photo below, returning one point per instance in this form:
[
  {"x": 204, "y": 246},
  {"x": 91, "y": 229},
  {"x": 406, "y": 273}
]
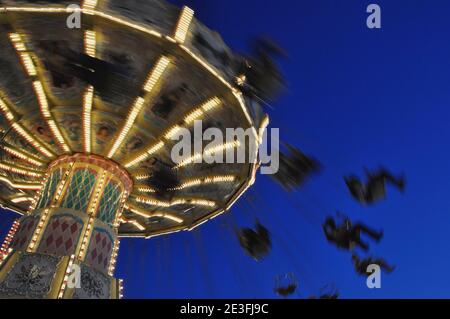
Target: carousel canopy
[{"x": 120, "y": 86}]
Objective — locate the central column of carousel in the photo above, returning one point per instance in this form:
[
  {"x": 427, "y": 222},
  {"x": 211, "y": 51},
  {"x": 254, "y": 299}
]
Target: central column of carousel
[{"x": 66, "y": 247}]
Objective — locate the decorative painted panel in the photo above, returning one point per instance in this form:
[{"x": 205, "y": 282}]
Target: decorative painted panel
[
  {"x": 109, "y": 204},
  {"x": 49, "y": 189},
  {"x": 94, "y": 285},
  {"x": 61, "y": 235},
  {"x": 100, "y": 249},
  {"x": 80, "y": 190},
  {"x": 25, "y": 232},
  {"x": 30, "y": 277}
]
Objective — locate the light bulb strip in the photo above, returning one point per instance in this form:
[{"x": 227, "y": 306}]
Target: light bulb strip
[
  {"x": 208, "y": 152},
  {"x": 37, "y": 233},
  {"x": 183, "y": 24},
  {"x": 188, "y": 119},
  {"x": 89, "y": 4},
  {"x": 22, "y": 199},
  {"x": 113, "y": 260},
  {"x": 205, "y": 180},
  {"x": 22, "y": 155},
  {"x": 66, "y": 276},
  {"x": 38, "y": 194},
  {"x": 19, "y": 45},
  {"x": 86, "y": 236},
  {"x": 142, "y": 176},
  {"x": 48, "y": 117},
  {"x": 4, "y": 249},
  {"x": 146, "y": 214},
  {"x": 120, "y": 288},
  {"x": 17, "y": 185},
  {"x": 153, "y": 78},
  {"x": 19, "y": 129},
  {"x": 87, "y": 110},
  {"x": 144, "y": 189},
  {"x": 89, "y": 10},
  {"x": 134, "y": 222},
  {"x": 18, "y": 170},
  {"x": 120, "y": 210},
  {"x": 3, "y": 257},
  {"x": 99, "y": 191},
  {"x": 177, "y": 201}
]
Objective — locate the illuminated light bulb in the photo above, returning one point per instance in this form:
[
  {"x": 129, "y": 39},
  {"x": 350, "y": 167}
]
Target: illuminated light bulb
[
  {"x": 136, "y": 109},
  {"x": 22, "y": 155},
  {"x": 183, "y": 24},
  {"x": 20, "y": 171},
  {"x": 89, "y": 4},
  {"x": 206, "y": 180},
  {"x": 156, "y": 73},
  {"x": 28, "y": 64},
  {"x": 172, "y": 132},
  {"x": 90, "y": 40},
  {"x": 20, "y": 185}
]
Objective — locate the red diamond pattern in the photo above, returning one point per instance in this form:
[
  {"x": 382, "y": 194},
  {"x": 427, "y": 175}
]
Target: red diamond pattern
[
  {"x": 23, "y": 235},
  {"x": 61, "y": 235},
  {"x": 99, "y": 251}
]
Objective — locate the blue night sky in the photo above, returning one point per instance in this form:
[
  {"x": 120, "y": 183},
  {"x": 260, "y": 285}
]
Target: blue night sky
[{"x": 356, "y": 97}]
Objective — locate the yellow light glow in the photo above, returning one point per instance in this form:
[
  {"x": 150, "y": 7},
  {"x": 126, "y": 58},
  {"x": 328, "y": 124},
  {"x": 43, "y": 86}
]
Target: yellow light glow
[
  {"x": 20, "y": 46},
  {"x": 146, "y": 214},
  {"x": 22, "y": 155},
  {"x": 39, "y": 89},
  {"x": 149, "y": 31},
  {"x": 144, "y": 155},
  {"x": 89, "y": 4},
  {"x": 136, "y": 109},
  {"x": 183, "y": 24},
  {"x": 112, "y": 262},
  {"x": 19, "y": 170},
  {"x": 5, "y": 110},
  {"x": 66, "y": 276},
  {"x": 208, "y": 152},
  {"x": 28, "y": 64},
  {"x": 156, "y": 73},
  {"x": 142, "y": 176},
  {"x": 145, "y": 189},
  {"x": 178, "y": 201},
  {"x": 43, "y": 103},
  {"x": 37, "y": 232},
  {"x": 207, "y": 180},
  {"x": 22, "y": 199},
  {"x": 86, "y": 236},
  {"x": 97, "y": 194},
  {"x": 134, "y": 222},
  {"x": 188, "y": 119},
  {"x": 201, "y": 110},
  {"x": 19, "y": 129},
  {"x": 87, "y": 109},
  {"x": 90, "y": 40},
  {"x": 172, "y": 132},
  {"x": 39, "y": 10}
]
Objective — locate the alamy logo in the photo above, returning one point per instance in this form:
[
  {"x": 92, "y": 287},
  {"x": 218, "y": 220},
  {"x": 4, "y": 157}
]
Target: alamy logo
[
  {"x": 74, "y": 278},
  {"x": 237, "y": 146},
  {"x": 374, "y": 19},
  {"x": 73, "y": 21},
  {"x": 374, "y": 279}
]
